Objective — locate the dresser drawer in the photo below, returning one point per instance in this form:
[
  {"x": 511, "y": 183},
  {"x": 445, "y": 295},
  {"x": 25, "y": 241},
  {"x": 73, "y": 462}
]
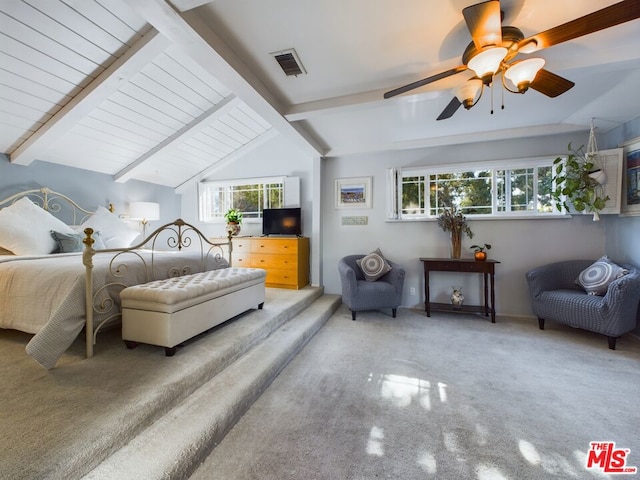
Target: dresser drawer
[
  {"x": 241, "y": 260},
  {"x": 277, "y": 276},
  {"x": 241, "y": 245},
  {"x": 277, "y": 246},
  {"x": 264, "y": 260}
]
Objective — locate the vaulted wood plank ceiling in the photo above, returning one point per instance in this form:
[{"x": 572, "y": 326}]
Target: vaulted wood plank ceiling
[{"x": 162, "y": 91}]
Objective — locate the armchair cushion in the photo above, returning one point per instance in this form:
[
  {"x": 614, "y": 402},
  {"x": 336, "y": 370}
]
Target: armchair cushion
[
  {"x": 373, "y": 266},
  {"x": 596, "y": 278}
]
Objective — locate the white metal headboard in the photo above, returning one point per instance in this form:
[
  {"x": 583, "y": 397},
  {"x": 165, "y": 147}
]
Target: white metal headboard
[{"x": 50, "y": 201}]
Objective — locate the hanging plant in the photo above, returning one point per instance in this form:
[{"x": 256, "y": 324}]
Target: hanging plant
[{"x": 577, "y": 183}]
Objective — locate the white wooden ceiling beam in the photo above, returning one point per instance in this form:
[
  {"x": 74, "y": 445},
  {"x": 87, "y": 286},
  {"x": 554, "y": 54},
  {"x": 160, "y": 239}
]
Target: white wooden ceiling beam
[
  {"x": 105, "y": 84},
  {"x": 460, "y": 139},
  {"x": 355, "y": 102},
  {"x": 186, "y": 132},
  {"x": 184, "y": 5},
  {"x": 196, "y": 39}
]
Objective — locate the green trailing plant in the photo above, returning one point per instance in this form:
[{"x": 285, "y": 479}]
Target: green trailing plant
[
  {"x": 480, "y": 248},
  {"x": 233, "y": 216},
  {"x": 574, "y": 184}
]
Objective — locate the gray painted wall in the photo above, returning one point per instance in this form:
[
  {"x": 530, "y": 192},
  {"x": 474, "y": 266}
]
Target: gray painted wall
[
  {"x": 518, "y": 244},
  {"x": 274, "y": 158},
  {"x": 88, "y": 189}
]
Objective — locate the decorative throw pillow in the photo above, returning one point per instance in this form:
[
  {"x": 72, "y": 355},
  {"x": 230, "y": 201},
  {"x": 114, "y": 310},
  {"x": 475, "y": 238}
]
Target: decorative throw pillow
[
  {"x": 25, "y": 227},
  {"x": 596, "y": 278},
  {"x": 115, "y": 233},
  {"x": 373, "y": 266},
  {"x": 72, "y": 242}
]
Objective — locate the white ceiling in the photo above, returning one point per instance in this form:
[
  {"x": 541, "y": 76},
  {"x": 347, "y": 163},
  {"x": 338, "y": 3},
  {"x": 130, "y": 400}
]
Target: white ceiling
[{"x": 162, "y": 91}]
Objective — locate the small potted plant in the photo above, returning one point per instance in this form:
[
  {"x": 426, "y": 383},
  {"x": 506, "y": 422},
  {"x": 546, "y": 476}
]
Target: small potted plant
[
  {"x": 480, "y": 253},
  {"x": 453, "y": 221},
  {"x": 234, "y": 220}
]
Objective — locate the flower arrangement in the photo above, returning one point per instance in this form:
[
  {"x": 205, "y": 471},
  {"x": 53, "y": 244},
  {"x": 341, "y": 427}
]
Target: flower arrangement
[{"x": 452, "y": 220}]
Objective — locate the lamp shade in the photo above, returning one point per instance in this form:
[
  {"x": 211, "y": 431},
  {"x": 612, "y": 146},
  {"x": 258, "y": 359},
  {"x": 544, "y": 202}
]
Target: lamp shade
[
  {"x": 521, "y": 74},
  {"x": 467, "y": 92},
  {"x": 144, "y": 211},
  {"x": 487, "y": 62}
]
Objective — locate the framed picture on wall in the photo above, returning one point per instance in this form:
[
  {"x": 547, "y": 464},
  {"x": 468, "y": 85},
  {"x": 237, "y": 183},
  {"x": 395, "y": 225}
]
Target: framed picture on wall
[
  {"x": 631, "y": 180},
  {"x": 353, "y": 192}
]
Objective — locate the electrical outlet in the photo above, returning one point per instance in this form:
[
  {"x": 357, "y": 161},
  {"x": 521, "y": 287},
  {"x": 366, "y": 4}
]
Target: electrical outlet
[{"x": 412, "y": 291}]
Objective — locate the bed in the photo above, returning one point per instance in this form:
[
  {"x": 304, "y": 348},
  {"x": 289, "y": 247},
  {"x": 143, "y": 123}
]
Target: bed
[{"x": 56, "y": 295}]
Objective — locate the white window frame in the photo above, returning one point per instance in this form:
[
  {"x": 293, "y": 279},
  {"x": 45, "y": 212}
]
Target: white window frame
[
  {"x": 395, "y": 176},
  {"x": 204, "y": 204}
]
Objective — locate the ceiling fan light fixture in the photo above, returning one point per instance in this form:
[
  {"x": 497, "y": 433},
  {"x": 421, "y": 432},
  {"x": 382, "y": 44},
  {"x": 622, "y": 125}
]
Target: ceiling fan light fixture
[
  {"x": 521, "y": 74},
  {"x": 486, "y": 63},
  {"x": 468, "y": 93}
]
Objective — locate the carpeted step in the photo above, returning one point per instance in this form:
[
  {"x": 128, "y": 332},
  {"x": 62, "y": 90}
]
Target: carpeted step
[{"x": 178, "y": 442}]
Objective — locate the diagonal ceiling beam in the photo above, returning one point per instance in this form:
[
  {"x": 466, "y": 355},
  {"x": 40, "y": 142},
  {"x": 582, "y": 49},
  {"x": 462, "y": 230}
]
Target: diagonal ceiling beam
[
  {"x": 105, "y": 84},
  {"x": 186, "y": 132},
  {"x": 196, "y": 39},
  {"x": 184, "y": 5}
]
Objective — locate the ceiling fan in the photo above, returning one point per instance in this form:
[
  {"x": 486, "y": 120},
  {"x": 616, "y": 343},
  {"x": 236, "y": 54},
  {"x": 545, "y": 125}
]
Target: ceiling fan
[{"x": 494, "y": 49}]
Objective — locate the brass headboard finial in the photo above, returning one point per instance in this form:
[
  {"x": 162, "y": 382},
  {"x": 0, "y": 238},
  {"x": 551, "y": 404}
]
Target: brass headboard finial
[{"x": 111, "y": 208}]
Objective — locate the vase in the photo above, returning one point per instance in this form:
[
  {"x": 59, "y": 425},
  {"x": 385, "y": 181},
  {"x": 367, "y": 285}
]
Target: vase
[
  {"x": 233, "y": 228},
  {"x": 456, "y": 244},
  {"x": 457, "y": 299},
  {"x": 480, "y": 256}
]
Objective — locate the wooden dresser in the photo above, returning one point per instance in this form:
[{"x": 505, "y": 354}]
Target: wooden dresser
[{"x": 286, "y": 259}]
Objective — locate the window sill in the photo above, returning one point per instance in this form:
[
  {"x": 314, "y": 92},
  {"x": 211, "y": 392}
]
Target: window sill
[{"x": 488, "y": 217}]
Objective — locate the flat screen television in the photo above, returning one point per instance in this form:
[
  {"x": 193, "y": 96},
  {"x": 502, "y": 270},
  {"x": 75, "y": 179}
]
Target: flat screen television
[{"x": 282, "y": 221}]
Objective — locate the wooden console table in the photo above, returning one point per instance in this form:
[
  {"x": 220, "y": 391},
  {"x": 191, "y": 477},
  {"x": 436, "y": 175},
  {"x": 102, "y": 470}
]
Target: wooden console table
[{"x": 461, "y": 265}]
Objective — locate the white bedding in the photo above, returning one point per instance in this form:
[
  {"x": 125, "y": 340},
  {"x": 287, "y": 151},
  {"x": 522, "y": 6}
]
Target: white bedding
[{"x": 45, "y": 295}]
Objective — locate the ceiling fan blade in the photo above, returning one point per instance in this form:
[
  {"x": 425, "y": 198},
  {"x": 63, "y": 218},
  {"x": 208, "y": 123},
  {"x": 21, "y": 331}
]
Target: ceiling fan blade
[
  {"x": 550, "y": 84},
  {"x": 450, "y": 109},
  {"x": 607, "y": 17},
  {"x": 424, "y": 81},
  {"x": 484, "y": 23}
]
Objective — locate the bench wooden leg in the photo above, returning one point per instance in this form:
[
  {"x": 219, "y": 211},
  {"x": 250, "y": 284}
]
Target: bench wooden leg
[
  {"x": 170, "y": 351},
  {"x": 130, "y": 344},
  {"x": 541, "y": 323},
  {"x": 612, "y": 342},
  {"x": 260, "y": 306}
]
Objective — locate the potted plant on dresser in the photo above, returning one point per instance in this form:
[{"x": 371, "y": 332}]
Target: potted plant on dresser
[{"x": 234, "y": 220}]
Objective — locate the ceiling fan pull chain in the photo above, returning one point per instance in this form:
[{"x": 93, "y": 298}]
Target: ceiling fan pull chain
[
  {"x": 502, "y": 92},
  {"x": 492, "y": 97}
]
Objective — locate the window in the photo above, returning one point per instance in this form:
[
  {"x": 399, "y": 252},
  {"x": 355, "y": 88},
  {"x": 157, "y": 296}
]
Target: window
[
  {"x": 250, "y": 196},
  {"x": 521, "y": 187}
]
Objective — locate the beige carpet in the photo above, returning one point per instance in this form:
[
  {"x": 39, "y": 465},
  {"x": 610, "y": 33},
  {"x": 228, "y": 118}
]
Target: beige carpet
[
  {"x": 447, "y": 397},
  {"x": 58, "y": 423}
]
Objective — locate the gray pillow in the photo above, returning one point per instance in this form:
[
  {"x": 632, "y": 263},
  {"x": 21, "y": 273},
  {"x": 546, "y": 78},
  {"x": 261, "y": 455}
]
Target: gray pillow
[
  {"x": 596, "y": 278},
  {"x": 373, "y": 266},
  {"x": 72, "y": 242}
]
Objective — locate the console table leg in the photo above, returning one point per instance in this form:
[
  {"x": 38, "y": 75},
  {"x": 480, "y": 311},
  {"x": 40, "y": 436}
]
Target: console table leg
[
  {"x": 427, "y": 304},
  {"x": 493, "y": 302}
]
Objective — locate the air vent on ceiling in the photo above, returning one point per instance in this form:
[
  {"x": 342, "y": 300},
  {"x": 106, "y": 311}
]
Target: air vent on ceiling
[{"x": 289, "y": 62}]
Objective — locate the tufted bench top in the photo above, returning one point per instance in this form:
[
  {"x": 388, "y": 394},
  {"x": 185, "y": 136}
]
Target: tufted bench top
[{"x": 177, "y": 293}]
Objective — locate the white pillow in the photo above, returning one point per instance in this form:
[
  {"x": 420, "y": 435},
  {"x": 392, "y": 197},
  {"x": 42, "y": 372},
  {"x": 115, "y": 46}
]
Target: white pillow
[
  {"x": 115, "y": 233},
  {"x": 25, "y": 228}
]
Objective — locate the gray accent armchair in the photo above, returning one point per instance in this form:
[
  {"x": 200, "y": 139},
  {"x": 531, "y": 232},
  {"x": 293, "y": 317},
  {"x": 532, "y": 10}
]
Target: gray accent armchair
[
  {"x": 359, "y": 294},
  {"x": 555, "y": 296}
]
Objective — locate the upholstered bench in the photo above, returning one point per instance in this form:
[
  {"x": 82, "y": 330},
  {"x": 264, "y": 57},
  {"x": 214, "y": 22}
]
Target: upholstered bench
[{"x": 168, "y": 312}]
